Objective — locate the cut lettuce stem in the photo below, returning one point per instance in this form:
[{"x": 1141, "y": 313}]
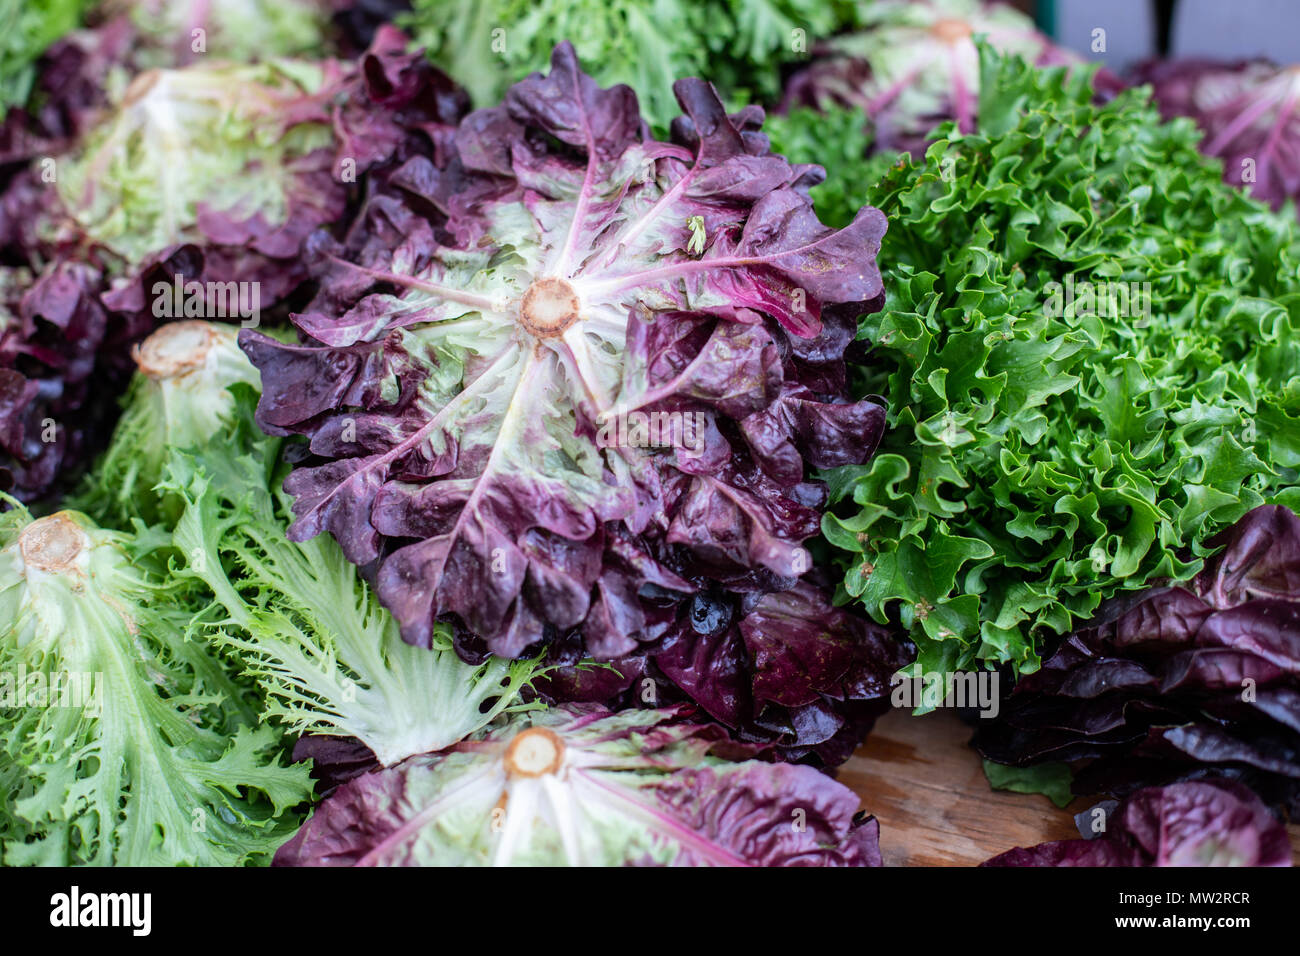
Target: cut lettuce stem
[{"x": 179, "y": 400}]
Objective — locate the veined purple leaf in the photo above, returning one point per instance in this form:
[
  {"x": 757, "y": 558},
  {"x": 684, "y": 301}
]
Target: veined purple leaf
[
  {"x": 1249, "y": 111},
  {"x": 572, "y": 362}
]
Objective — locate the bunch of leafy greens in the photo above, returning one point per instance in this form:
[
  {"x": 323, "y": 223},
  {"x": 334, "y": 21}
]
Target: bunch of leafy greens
[
  {"x": 129, "y": 743},
  {"x": 1210, "y": 823},
  {"x": 297, "y": 618},
  {"x": 739, "y": 45},
  {"x": 580, "y": 786},
  {"x": 1249, "y": 112},
  {"x": 202, "y": 182},
  {"x": 1090, "y": 354},
  {"x": 563, "y": 379},
  {"x": 30, "y": 27},
  {"x": 213, "y": 174}
]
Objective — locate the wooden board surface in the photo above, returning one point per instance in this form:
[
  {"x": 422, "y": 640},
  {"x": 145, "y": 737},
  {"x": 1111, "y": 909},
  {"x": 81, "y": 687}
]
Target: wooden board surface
[{"x": 927, "y": 789}]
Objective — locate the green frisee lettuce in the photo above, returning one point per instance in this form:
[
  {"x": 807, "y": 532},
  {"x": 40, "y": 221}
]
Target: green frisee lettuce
[
  {"x": 128, "y": 743},
  {"x": 296, "y": 616},
  {"x": 1042, "y": 457},
  {"x": 330, "y": 659},
  {"x": 179, "y": 399}
]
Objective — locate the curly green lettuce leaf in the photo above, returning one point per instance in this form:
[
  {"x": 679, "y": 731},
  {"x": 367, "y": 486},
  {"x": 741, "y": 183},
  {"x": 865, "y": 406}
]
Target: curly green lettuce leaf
[
  {"x": 739, "y": 45},
  {"x": 1048, "y": 448},
  {"x": 136, "y": 747},
  {"x": 329, "y": 658},
  {"x": 179, "y": 399}
]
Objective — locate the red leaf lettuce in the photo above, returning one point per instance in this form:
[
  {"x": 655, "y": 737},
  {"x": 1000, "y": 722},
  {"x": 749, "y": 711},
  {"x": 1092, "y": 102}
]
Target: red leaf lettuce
[
  {"x": 913, "y": 64},
  {"x": 508, "y": 311},
  {"x": 1249, "y": 111},
  {"x": 581, "y": 786},
  {"x": 216, "y": 173},
  {"x": 1215, "y": 823}
]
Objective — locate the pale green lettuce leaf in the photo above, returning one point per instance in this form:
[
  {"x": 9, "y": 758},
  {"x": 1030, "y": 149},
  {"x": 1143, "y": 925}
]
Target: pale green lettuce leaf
[
  {"x": 330, "y": 659},
  {"x": 136, "y": 747}
]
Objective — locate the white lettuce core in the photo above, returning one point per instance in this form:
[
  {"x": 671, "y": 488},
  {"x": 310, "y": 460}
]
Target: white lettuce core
[
  {"x": 534, "y": 752},
  {"x": 548, "y": 308},
  {"x": 175, "y": 349},
  {"x": 53, "y": 544},
  {"x": 951, "y": 30}
]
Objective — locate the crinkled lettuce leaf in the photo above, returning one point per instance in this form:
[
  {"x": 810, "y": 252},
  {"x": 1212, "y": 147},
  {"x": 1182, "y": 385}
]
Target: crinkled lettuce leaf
[
  {"x": 1042, "y": 457},
  {"x": 739, "y": 45},
  {"x": 58, "y": 347},
  {"x": 1210, "y": 823},
  {"x": 135, "y": 745},
  {"x": 203, "y": 182}
]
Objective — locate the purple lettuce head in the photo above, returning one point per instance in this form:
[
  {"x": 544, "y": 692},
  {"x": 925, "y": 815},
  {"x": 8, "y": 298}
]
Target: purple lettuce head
[
  {"x": 241, "y": 161},
  {"x": 914, "y": 64},
  {"x": 1210, "y": 823},
  {"x": 562, "y": 378},
  {"x": 1249, "y": 111},
  {"x": 1178, "y": 682},
  {"x": 110, "y": 203},
  {"x": 581, "y": 786}
]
